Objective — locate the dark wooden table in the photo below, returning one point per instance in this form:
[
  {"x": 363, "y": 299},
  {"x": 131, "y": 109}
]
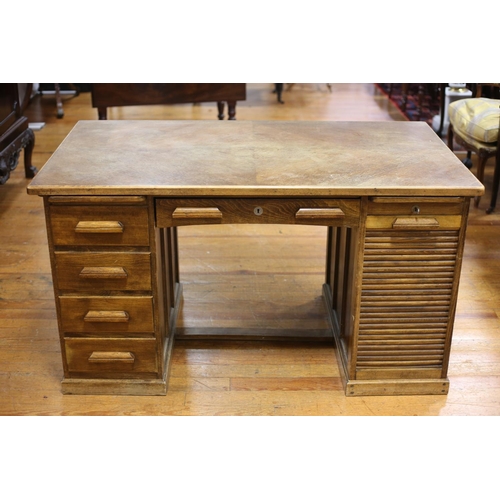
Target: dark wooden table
[{"x": 106, "y": 95}]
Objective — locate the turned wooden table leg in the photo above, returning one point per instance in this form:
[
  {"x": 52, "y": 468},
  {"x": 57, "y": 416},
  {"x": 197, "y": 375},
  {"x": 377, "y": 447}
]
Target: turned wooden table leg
[
  {"x": 29, "y": 169},
  {"x": 278, "y": 89},
  {"x": 220, "y": 108},
  {"x": 231, "y": 105},
  {"x": 102, "y": 113},
  {"x": 60, "y": 111}
]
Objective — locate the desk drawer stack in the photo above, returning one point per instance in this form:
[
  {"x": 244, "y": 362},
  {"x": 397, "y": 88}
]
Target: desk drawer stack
[{"x": 103, "y": 258}]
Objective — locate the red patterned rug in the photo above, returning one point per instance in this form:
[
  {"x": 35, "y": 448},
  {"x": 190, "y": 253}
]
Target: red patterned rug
[{"x": 425, "y": 94}]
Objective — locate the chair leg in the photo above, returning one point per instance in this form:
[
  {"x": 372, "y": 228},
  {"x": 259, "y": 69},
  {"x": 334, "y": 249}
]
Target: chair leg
[
  {"x": 496, "y": 182},
  {"x": 450, "y": 136},
  {"x": 480, "y": 175},
  {"x": 468, "y": 161}
]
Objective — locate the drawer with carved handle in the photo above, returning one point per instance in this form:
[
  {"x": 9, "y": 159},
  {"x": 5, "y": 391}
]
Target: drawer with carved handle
[
  {"x": 325, "y": 212},
  {"x": 110, "y": 358},
  {"x": 98, "y": 272},
  {"x": 127, "y": 316},
  {"x": 99, "y": 225}
]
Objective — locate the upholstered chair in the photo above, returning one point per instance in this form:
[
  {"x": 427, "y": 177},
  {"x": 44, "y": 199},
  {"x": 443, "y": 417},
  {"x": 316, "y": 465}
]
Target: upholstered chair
[{"x": 474, "y": 125}]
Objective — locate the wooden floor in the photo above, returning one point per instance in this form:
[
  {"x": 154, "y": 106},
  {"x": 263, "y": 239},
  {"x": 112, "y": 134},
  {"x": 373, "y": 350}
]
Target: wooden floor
[{"x": 236, "y": 277}]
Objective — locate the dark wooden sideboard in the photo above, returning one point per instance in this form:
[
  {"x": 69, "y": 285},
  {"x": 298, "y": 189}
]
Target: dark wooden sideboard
[
  {"x": 107, "y": 95},
  {"x": 14, "y": 132}
]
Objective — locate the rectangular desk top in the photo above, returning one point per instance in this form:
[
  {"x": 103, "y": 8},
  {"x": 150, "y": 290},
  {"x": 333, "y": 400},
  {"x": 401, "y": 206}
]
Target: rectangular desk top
[{"x": 254, "y": 158}]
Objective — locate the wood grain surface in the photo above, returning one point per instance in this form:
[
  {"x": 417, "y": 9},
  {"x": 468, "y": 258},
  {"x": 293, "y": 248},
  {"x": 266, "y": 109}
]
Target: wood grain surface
[{"x": 254, "y": 158}]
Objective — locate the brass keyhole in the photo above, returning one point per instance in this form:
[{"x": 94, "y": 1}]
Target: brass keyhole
[
  {"x": 258, "y": 210},
  {"x": 416, "y": 210}
]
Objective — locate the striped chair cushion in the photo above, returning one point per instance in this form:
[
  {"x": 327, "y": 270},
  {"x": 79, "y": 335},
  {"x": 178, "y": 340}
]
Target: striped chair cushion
[{"x": 476, "y": 118}]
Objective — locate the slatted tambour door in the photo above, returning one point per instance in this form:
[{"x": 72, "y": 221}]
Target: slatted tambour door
[{"x": 407, "y": 288}]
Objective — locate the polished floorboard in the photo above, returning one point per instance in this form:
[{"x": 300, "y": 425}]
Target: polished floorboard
[{"x": 239, "y": 278}]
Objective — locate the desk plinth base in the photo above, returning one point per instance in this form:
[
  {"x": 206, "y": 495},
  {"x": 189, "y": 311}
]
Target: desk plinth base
[
  {"x": 417, "y": 387},
  {"x": 117, "y": 387}
]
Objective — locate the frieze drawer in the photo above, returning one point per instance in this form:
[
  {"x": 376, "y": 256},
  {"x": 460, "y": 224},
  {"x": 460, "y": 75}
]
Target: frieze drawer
[{"x": 324, "y": 212}]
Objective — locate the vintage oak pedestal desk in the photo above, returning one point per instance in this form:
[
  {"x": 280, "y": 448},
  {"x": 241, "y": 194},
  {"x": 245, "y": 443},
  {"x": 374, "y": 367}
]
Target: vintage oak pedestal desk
[{"x": 392, "y": 197}]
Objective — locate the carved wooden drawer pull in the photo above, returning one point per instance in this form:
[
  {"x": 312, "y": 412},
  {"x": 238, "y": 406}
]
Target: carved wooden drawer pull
[
  {"x": 319, "y": 213},
  {"x": 111, "y": 357},
  {"x": 103, "y": 273},
  {"x": 107, "y": 317},
  {"x": 415, "y": 223},
  {"x": 197, "y": 213},
  {"x": 103, "y": 226}
]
